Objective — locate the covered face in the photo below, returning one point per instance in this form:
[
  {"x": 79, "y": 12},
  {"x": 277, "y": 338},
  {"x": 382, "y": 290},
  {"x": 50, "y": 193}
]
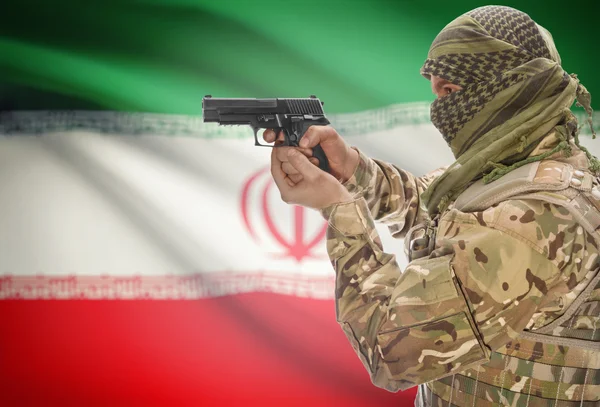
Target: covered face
[
  {"x": 505, "y": 64},
  {"x": 513, "y": 93}
]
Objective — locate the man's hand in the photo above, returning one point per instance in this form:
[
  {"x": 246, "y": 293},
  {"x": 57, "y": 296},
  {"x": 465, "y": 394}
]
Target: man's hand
[
  {"x": 342, "y": 159},
  {"x": 317, "y": 189}
]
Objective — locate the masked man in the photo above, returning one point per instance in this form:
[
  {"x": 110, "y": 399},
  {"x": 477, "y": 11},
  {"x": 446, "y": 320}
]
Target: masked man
[{"x": 500, "y": 303}]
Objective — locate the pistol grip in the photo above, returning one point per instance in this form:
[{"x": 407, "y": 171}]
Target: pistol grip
[
  {"x": 319, "y": 154},
  {"x": 301, "y": 127}
]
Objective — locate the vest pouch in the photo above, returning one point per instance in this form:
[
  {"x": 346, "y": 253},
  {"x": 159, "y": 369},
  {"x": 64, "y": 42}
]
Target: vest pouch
[{"x": 436, "y": 318}]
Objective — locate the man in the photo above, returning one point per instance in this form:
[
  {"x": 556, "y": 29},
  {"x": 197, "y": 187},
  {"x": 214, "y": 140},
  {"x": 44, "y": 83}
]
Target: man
[{"x": 500, "y": 303}]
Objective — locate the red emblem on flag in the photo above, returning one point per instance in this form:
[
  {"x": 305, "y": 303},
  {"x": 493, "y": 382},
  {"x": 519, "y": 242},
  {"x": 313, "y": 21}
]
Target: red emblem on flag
[{"x": 298, "y": 246}]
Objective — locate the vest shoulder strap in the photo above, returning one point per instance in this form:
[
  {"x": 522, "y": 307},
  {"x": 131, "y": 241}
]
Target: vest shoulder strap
[
  {"x": 534, "y": 177},
  {"x": 551, "y": 181}
]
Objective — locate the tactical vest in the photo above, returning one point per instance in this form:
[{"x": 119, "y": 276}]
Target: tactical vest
[{"x": 557, "y": 364}]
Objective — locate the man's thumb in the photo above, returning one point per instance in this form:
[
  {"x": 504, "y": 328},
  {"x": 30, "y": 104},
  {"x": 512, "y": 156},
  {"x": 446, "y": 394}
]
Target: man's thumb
[
  {"x": 301, "y": 164},
  {"x": 313, "y": 137}
]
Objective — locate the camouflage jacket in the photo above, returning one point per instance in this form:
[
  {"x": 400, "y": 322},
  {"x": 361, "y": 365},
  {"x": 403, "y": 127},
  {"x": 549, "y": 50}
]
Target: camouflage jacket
[{"x": 516, "y": 265}]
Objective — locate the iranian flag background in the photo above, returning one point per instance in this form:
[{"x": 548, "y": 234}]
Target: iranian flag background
[{"x": 146, "y": 258}]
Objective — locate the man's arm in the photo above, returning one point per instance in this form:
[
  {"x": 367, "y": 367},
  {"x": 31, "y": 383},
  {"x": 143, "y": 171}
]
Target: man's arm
[
  {"x": 393, "y": 195},
  {"x": 492, "y": 272}
]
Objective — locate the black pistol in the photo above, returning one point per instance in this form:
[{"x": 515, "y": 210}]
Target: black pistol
[{"x": 292, "y": 116}]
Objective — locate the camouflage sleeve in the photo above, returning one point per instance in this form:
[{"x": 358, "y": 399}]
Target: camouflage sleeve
[
  {"x": 392, "y": 194},
  {"x": 491, "y": 273}
]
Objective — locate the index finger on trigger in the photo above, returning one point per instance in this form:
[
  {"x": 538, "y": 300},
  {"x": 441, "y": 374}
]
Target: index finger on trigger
[{"x": 269, "y": 135}]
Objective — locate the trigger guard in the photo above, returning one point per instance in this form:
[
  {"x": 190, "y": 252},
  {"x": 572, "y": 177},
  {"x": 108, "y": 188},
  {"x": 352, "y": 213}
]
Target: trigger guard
[
  {"x": 255, "y": 130},
  {"x": 259, "y": 144}
]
